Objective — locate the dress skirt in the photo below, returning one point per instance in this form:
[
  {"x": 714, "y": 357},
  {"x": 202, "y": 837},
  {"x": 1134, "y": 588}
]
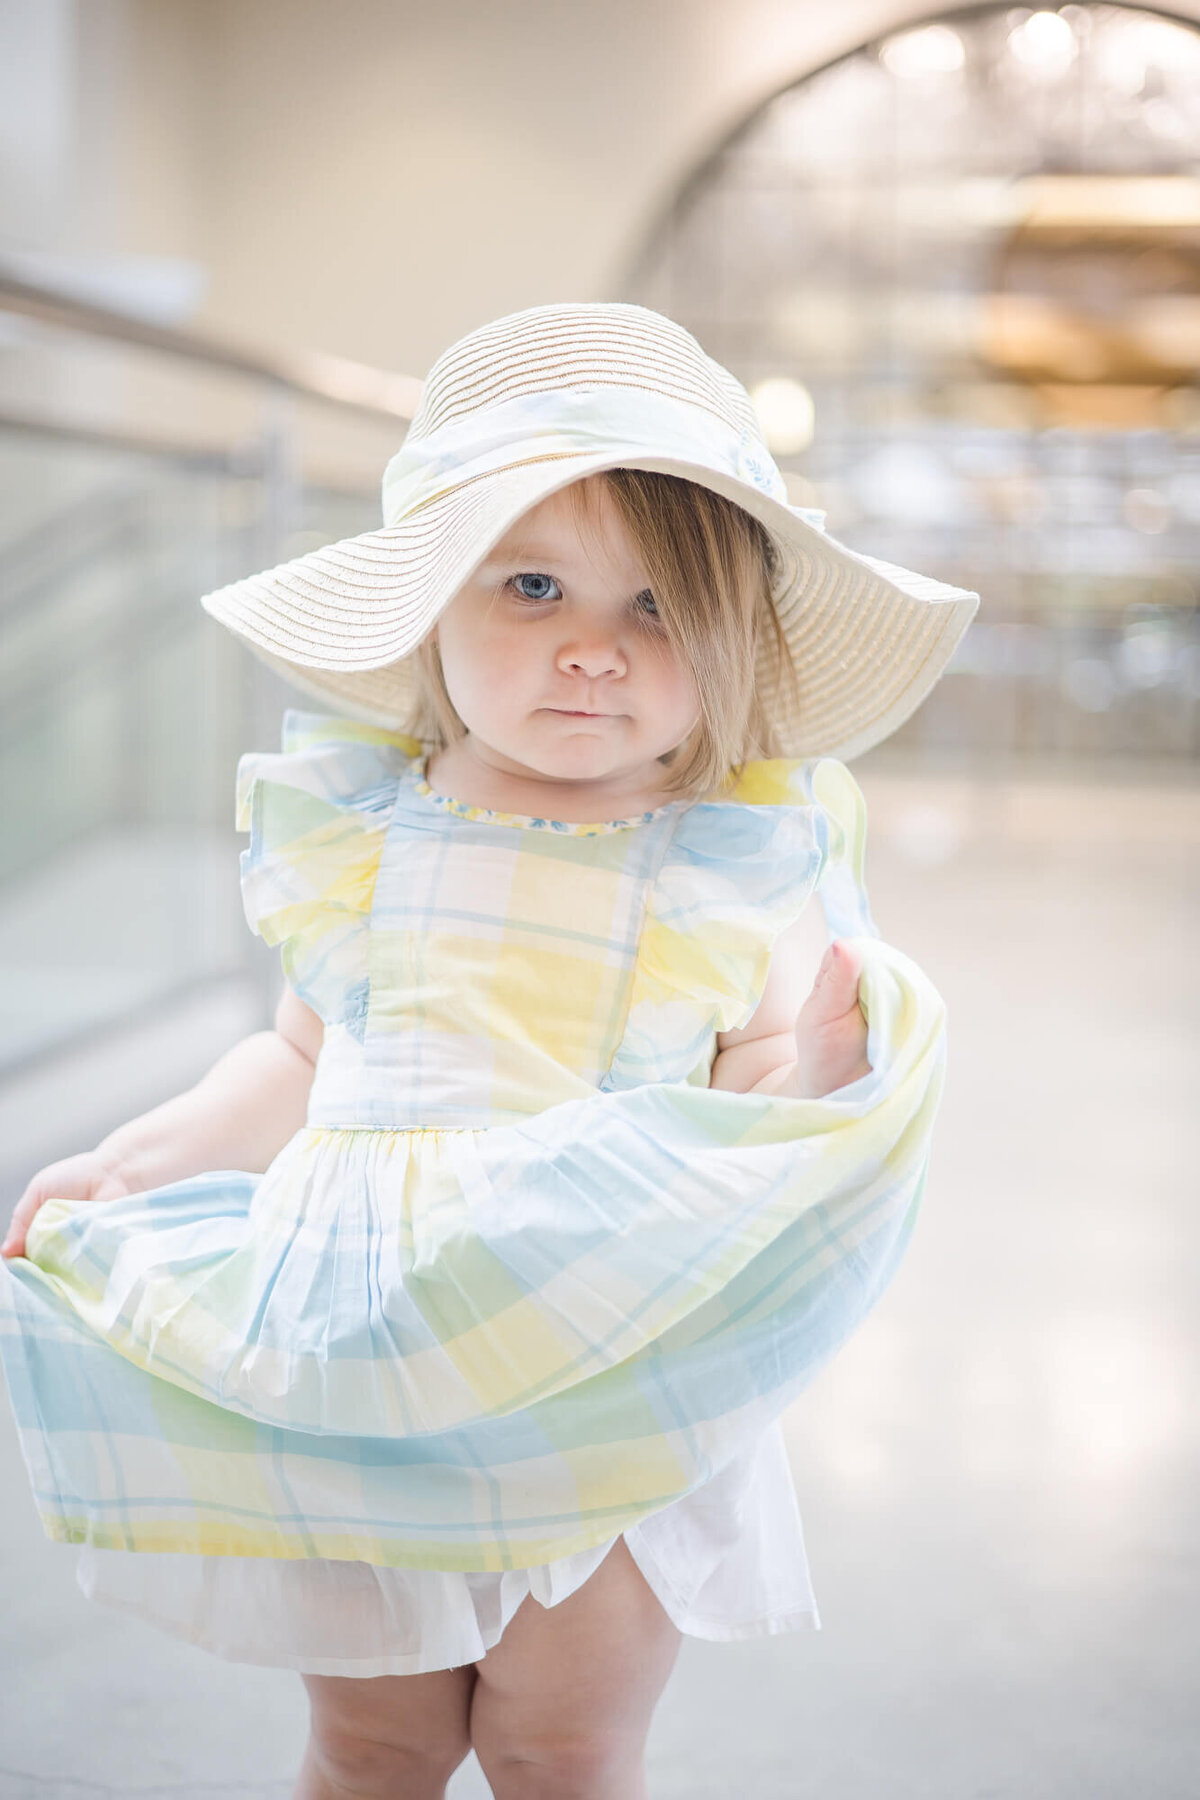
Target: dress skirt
[{"x": 726, "y": 1561}]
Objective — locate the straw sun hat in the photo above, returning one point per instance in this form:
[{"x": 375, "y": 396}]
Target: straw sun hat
[{"x": 525, "y": 406}]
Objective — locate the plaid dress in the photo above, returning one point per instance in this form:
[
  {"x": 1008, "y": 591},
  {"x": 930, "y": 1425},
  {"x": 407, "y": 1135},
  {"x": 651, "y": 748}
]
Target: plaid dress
[{"x": 522, "y": 1281}]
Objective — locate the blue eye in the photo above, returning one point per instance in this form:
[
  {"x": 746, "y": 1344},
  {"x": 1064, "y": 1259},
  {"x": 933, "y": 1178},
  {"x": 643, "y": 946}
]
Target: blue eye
[
  {"x": 647, "y": 603},
  {"x": 537, "y": 587}
]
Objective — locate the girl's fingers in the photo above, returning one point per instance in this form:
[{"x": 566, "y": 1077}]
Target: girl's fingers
[
  {"x": 83, "y": 1177},
  {"x": 34, "y": 1196},
  {"x": 14, "y": 1242},
  {"x": 835, "y": 989}
]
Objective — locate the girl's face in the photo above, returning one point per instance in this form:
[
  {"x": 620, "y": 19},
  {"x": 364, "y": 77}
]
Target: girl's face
[{"x": 554, "y": 658}]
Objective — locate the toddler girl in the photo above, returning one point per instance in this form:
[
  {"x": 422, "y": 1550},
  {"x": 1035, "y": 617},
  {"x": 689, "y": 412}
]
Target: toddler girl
[{"x": 435, "y": 1344}]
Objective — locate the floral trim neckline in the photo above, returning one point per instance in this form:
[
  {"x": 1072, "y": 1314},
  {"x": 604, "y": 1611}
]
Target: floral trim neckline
[{"x": 567, "y": 827}]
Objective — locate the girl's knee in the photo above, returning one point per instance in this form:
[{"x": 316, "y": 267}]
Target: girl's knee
[
  {"x": 564, "y": 1765},
  {"x": 376, "y": 1738},
  {"x": 352, "y": 1765}
]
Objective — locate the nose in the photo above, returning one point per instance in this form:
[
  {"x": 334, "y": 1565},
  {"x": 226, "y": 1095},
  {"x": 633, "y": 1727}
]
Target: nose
[{"x": 591, "y": 658}]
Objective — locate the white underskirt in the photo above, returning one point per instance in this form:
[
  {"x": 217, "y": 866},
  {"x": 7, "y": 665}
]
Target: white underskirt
[{"x": 727, "y": 1561}]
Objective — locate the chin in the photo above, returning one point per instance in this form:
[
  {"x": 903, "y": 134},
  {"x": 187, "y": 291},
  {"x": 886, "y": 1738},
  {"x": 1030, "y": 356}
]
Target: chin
[
  {"x": 585, "y": 761},
  {"x": 576, "y": 762}
]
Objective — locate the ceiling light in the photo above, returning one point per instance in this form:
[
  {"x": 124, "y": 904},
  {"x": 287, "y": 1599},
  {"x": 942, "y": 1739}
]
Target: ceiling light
[
  {"x": 785, "y": 412},
  {"x": 1044, "y": 43},
  {"x": 931, "y": 50}
]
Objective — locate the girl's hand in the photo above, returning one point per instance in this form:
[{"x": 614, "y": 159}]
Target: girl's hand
[
  {"x": 831, "y": 1031},
  {"x": 83, "y": 1177}
]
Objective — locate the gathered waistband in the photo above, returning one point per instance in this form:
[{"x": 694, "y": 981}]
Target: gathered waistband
[{"x": 392, "y": 1131}]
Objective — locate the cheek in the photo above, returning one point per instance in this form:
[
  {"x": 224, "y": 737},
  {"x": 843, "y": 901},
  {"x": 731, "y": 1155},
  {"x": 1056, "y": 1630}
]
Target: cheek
[
  {"x": 674, "y": 687},
  {"x": 481, "y": 661}
]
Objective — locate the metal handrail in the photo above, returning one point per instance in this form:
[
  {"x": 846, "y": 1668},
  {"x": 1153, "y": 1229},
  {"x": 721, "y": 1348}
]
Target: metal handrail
[
  {"x": 334, "y": 380},
  {"x": 247, "y": 459}
]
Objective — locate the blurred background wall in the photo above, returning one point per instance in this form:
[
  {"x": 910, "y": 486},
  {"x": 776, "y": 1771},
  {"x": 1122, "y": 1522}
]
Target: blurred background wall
[{"x": 379, "y": 177}]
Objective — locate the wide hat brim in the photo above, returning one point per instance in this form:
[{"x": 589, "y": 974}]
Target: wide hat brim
[{"x": 868, "y": 639}]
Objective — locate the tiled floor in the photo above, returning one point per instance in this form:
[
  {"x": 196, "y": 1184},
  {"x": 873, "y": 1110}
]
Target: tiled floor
[{"x": 999, "y": 1476}]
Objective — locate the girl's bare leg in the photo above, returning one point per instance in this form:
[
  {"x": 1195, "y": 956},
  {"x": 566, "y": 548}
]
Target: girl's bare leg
[
  {"x": 401, "y": 1736},
  {"x": 563, "y": 1703}
]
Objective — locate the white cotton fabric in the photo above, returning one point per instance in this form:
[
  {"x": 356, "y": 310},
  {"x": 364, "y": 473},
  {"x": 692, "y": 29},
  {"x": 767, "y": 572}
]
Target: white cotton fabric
[{"x": 726, "y": 1561}]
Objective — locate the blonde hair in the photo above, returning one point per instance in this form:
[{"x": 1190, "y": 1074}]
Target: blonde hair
[{"x": 711, "y": 567}]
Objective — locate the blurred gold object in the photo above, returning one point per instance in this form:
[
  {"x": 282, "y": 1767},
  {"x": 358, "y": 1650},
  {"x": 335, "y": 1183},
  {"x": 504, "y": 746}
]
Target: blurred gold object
[
  {"x": 1095, "y": 296},
  {"x": 1112, "y": 406}
]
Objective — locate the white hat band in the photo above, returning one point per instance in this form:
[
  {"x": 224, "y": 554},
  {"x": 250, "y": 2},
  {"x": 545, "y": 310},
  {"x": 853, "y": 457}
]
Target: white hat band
[{"x": 624, "y": 423}]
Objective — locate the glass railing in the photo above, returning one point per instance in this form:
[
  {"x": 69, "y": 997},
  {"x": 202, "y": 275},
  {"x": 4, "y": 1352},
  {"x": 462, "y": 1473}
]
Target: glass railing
[{"x": 123, "y": 706}]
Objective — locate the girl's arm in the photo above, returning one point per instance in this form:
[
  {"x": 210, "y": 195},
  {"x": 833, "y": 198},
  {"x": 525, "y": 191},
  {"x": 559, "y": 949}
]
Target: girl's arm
[
  {"x": 808, "y": 1035},
  {"x": 238, "y": 1116}
]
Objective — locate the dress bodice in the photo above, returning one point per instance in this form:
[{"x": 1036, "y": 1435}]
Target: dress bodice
[{"x": 473, "y": 967}]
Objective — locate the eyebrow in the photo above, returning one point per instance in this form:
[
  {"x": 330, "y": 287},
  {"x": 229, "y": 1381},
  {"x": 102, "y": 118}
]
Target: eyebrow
[{"x": 529, "y": 549}]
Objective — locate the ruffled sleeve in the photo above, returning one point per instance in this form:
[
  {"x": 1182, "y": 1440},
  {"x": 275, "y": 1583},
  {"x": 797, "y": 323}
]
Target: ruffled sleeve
[
  {"x": 317, "y": 813},
  {"x": 737, "y": 873}
]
